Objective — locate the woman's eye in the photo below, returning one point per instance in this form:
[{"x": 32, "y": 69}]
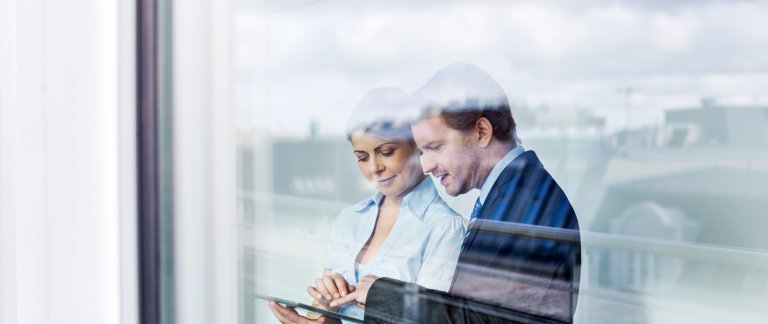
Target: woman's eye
[
  {"x": 387, "y": 152},
  {"x": 362, "y": 159}
]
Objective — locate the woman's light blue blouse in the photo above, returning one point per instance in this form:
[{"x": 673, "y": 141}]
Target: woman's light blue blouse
[{"x": 422, "y": 247}]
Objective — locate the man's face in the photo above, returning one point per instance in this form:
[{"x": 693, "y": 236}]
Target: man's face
[{"x": 450, "y": 155}]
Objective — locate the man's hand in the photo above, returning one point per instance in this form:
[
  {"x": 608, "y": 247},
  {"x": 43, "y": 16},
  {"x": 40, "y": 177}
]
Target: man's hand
[
  {"x": 289, "y": 316},
  {"x": 359, "y": 295}
]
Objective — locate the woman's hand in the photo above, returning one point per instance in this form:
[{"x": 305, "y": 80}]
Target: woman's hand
[
  {"x": 329, "y": 288},
  {"x": 360, "y": 295}
]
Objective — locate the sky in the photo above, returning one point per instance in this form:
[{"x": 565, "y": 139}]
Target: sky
[{"x": 302, "y": 62}]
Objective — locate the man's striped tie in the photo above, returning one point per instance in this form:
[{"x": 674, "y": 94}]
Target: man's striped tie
[{"x": 472, "y": 218}]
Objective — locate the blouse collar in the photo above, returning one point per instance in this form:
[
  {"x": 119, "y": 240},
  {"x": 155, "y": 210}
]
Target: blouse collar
[{"x": 417, "y": 200}]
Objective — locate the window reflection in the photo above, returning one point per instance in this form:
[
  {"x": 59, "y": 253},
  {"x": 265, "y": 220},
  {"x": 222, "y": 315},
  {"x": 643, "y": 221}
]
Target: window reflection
[{"x": 654, "y": 130}]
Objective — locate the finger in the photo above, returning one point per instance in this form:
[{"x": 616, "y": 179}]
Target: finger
[
  {"x": 316, "y": 295},
  {"x": 361, "y": 305},
  {"x": 274, "y": 311},
  {"x": 351, "y": 288},
  {"x": 287, "y": 315},
  {"x": 341, "y": 284},
  {"x": 320, "y": 286},
  {"x": 331, "y": 286},
  {"x": 278, "y": 311},
  {"x": 343, "y": 300},
  {"x": 318, "y": 298},
  {"x": 285, "y": 310}
]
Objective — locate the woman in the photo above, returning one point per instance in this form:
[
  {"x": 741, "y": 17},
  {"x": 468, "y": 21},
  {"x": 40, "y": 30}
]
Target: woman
[{"x": 405, "y": 231}]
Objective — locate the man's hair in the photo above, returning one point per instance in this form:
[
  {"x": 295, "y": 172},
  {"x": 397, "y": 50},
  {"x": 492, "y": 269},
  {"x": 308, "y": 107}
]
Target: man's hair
[
  {"x": 500, "y": 118},
  {"x": 461, "y": 94}
]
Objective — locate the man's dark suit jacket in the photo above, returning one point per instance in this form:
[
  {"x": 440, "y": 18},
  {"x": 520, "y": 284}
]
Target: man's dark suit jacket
[{"x": 499, "y": 278}]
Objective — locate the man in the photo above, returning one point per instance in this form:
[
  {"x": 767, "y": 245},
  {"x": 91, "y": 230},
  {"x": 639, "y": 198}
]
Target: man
[
  {"x": 520, "y": 258},
  {"x": 468, "y": 140}
]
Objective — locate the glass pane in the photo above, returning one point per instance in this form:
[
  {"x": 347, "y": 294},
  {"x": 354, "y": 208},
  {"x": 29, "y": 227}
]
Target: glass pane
[{"x": 651, "y": 116}]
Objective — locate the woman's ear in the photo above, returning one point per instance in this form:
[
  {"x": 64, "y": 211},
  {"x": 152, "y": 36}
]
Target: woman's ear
[{"x": 484, "y": 131}]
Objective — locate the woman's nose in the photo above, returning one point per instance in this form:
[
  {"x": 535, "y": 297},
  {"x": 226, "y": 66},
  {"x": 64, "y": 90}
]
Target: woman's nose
[{"x": 376, "y": 165}]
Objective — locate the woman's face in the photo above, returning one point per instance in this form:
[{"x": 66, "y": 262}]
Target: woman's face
[{"x": 391, "y": 165}]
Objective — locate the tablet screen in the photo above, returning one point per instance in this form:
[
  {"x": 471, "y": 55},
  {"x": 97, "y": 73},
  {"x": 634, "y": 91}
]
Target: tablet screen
[{"x": 293, "y": 304}]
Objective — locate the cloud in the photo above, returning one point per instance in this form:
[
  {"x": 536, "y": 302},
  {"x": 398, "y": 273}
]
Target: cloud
[{"x": 321, "y": 57}]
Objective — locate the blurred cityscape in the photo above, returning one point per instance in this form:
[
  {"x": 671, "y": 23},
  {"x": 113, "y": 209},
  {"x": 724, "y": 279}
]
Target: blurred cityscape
[
  {"x": 647, "y": 113},
  {"x": 664, "y": 209}
]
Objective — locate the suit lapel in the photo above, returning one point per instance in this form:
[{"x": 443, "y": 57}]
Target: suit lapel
[{"x": 506, "y": 181}]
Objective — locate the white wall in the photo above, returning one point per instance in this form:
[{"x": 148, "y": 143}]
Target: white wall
[
  {"x": 67, "y": 199},
  {"x": 7, "y": 130}
]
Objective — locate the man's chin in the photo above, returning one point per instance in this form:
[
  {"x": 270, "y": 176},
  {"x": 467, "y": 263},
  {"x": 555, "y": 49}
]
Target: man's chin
[{"x": 453, "y": 192}]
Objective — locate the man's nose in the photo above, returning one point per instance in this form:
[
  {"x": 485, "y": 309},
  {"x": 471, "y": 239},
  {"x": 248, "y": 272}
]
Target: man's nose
[{"x": 427, "y": 163}]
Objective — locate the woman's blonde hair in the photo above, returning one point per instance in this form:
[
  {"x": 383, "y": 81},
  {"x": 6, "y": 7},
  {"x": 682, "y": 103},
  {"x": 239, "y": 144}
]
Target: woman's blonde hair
[{"x": 382, "y": 112}]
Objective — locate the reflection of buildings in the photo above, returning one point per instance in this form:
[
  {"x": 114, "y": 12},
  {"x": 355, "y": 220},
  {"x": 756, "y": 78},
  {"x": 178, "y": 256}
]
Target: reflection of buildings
[
  {"x": 317, "y": 168},
  {"x": 699, "y": 178},
  {"x": 697, "y": 181},
  {"x": 717, "y": 126},
  {"x": 572, "y": 146},
  {"x": 708, "y": 125},
  {"x": 713, "y": 206},
  {"x": 720, "y": 200},
  {"x": 289, "y": 193}
]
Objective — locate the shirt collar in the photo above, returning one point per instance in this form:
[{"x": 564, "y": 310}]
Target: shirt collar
[
  {"x": 373, "y": 201},
  {"x": 420, "y": 197},
  {"x": 417, "y": 200},
  {"x": 496, "y": 172}
]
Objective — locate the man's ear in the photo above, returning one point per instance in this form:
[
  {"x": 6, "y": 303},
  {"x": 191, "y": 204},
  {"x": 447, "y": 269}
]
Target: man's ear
[{"x": 484, "y": 131}]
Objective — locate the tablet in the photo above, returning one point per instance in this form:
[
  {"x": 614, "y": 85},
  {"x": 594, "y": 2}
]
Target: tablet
[{"x": 321, "y": 311}]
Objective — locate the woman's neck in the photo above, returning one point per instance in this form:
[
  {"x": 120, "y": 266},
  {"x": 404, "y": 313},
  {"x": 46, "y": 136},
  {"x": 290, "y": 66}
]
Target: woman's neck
[{"x": 391, "y": 201}]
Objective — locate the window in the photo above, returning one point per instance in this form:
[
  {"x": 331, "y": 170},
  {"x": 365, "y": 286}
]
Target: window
[{"x": 642, "y": 113}]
